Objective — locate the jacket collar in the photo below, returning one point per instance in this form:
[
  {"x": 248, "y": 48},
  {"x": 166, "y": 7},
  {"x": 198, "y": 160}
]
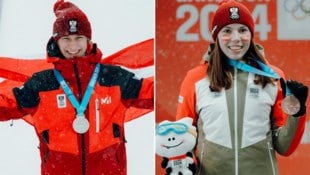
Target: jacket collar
[{"x": 82, "y": 66}]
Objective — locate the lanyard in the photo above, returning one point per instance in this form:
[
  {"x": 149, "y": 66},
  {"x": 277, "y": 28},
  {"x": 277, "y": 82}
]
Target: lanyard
[
  {"x": 266, "y": 71},
  {"x": 80, "y": 108}
]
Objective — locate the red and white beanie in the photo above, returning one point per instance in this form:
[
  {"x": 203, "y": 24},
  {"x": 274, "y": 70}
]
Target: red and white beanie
[
  {"x": 70, "y": 20},
  {"x": 229, "y": 12}
]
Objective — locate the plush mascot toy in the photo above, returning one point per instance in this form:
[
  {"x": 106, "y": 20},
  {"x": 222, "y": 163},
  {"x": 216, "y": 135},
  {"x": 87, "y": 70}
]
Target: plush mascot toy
[{"x": 175, "y": 142}]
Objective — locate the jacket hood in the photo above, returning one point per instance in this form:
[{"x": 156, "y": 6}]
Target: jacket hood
[{"x": 81, "y": 66}]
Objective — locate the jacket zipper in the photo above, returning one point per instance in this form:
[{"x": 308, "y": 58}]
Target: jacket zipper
[
  {"x": 236, "y": 122},
  {"x": 201, "y": 157},
  {"x": 45, "y": 142},
  {"x": 270, "y": 148},
  {"x": 83, "y": 147}
]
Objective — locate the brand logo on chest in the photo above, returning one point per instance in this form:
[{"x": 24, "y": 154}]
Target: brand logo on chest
[{"x": 106, "y": 100}]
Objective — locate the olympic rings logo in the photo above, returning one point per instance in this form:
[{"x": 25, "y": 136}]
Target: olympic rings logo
[{"x": 298, "y": 8}]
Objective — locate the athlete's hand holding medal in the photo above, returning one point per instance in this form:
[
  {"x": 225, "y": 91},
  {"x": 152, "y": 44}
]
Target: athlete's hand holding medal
[
  {"x": 295, "y": 97},
  {"x": 295, "y": 93}
]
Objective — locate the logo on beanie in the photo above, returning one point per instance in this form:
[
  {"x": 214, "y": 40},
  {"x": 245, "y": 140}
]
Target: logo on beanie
[
  {"x": 234, "y": 13},
  {"x": 73, "y": 26}
]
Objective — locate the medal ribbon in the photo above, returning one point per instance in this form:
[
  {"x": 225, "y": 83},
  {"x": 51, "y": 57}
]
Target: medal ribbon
[
  {"x": 266, "y": 71},
  {"x": 80, "y": 108}
]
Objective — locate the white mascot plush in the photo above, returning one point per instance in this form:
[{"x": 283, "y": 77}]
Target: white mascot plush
[{"x": 175, "y": 142}]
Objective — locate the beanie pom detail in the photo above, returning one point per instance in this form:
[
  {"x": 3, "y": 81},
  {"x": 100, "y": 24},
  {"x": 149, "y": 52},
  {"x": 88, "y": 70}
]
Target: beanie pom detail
[
  {"x": 57, "y": 5},
  {"x": 223, "y": 1}
]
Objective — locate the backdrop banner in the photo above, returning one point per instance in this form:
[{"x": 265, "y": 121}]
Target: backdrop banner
[{"x": 183, "y": 35}]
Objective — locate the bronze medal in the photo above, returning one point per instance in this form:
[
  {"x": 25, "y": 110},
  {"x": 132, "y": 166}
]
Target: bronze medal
[{"x": 290, "y": 105}]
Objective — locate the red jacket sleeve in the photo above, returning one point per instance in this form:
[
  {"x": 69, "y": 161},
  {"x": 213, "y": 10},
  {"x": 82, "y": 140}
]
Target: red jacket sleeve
[
  {"x": 8, "y": 106},
  {"x": 147, "y": 88},
  {"x": 145, "y": 102},
  {"x": 289, "y": 129},
  {"x": 187, "y": 96}
]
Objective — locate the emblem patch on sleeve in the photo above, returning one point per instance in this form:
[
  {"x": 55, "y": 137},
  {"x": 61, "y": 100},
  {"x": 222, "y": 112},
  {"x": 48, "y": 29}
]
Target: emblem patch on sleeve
[{"x": 61, "y": 101}]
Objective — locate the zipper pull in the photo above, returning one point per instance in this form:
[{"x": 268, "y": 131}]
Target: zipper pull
[
  {"x": 12, "y": 122},
  {"x": 97, "y": 115}
]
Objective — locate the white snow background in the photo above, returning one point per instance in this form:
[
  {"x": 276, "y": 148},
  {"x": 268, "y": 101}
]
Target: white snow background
[{"x": 26, "y": 26}]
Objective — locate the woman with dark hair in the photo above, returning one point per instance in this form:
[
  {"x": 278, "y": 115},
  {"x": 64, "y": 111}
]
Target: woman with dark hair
[{"x": 235, "y": 99}]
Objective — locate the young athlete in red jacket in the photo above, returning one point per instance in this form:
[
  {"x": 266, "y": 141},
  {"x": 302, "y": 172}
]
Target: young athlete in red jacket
[{"x": 78, "y": 108}]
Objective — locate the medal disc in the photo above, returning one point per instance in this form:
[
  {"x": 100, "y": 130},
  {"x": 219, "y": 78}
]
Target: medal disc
[
  {"x": 290, "y": 105},
  {"x": 80, "y": 125}
]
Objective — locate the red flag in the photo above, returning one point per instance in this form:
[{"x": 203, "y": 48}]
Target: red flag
[
  {"x": 135, "y": 56},
  {"x": 138, "y": 56}
]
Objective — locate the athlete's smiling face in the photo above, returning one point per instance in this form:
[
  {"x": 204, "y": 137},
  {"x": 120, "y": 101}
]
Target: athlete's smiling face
[
  {"x": 234, "y": 40},
  {"x": 72, "y": 46}
]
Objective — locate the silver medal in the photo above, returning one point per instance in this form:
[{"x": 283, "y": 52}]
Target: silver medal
[
  {"x": 290, "y": 105},
  {"x": 80, "y": 124}
]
